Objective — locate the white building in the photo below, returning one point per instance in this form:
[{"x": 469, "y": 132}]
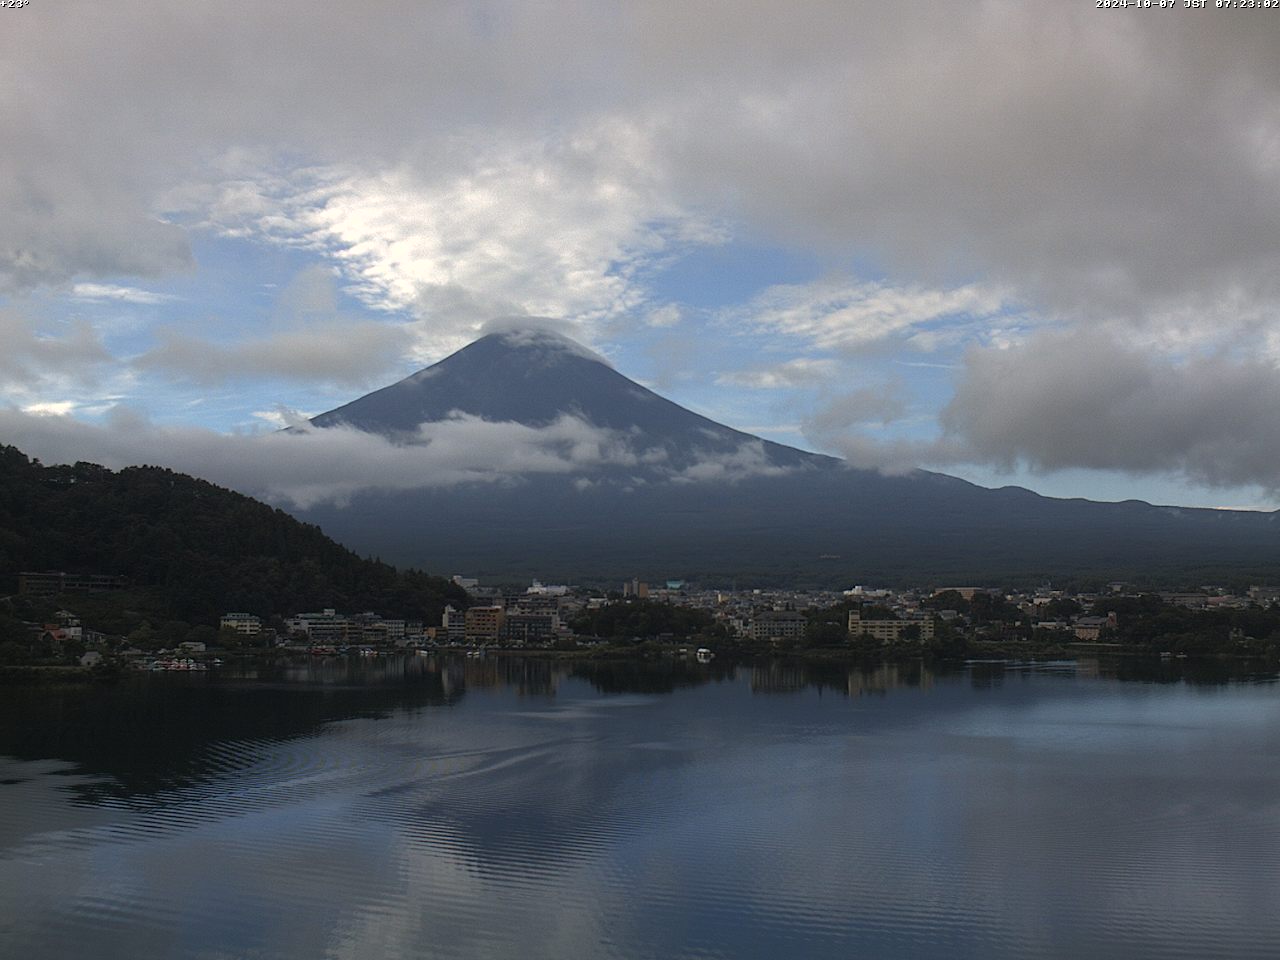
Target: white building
[{"x": 243, "y": 623}]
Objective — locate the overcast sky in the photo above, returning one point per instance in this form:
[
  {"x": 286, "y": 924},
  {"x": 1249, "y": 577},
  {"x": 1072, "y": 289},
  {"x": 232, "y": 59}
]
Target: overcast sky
[{"x": 1032, "y": 243}]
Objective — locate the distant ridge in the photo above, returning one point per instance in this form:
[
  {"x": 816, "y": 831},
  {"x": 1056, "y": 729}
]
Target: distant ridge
[{"x": 792, "y": 516}]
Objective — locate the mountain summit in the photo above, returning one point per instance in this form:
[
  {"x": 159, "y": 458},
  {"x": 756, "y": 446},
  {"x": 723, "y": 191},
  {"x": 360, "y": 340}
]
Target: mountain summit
[
  {"x": 694, "y": 499},
  {"x": 534, "y": 376}
]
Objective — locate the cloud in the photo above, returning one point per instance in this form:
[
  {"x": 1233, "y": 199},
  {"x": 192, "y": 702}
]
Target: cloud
[
  {"x": 308, "y": 465},
  {"x": 549, "y": 334},
  {"x": 800, "y": 372},
  {"x": 312, "y": 292},
  {"x": 1074, "y": 158},
  {"x": 749, "y": 460},
  {"x": 1089, "y": 400},
  {"x": 346, "y": 353},
  {"x": 996, "y": 163},
  {"x": 313, "y": 466},
  {"x": 114, "y": 292},
  {"x": 1046, "y": 150},
  {"x": 667, "y": 315},
  {"x": 1062, "y": 401},
  {"x": 542, "y": 229},
  {"x": 852, "y": 316},
  {"x": 32, "y": 359},
  {"x": 853, "y": 409},
  {"x": 58, "y": 408}
]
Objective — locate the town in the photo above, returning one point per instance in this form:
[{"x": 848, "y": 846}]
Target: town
[{"x": 638, "y": 616}]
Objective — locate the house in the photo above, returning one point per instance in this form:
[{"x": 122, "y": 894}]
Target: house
[{"x": 1091, "y": 629}]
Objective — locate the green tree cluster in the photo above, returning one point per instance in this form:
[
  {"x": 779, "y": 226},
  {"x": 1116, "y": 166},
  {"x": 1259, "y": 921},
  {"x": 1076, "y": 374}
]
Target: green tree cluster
[
  {"x": 644, "y": 620},
  {"x": 190, "y": 550}
]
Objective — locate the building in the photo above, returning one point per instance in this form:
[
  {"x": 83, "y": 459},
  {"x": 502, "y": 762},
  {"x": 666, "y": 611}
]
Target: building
[
  {"x": 635, "y": 588},
  {"x": 1192, "y": 601},
  {"x": 484, "y": 624},
  {"x": 548, "y": 589},
  {"x": 53, "y": 582},
  {"x": 1091, "y": 629},
  {"x": 889, "y": 631},
  {"x": 521, "y": 628},
  {"x": 245, "y": 624},
  {"x": 453, "y": 625},
  {"x": 777, "y": 625},
  {"x": 1264, "y": 595},
  {"x": 325, "y": 627}
]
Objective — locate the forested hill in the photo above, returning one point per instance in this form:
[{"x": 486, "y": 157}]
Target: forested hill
[{"x": 191, "y": 550}]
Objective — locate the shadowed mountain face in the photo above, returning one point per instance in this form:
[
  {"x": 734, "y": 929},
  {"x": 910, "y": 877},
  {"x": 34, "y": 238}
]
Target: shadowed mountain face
[
  {"x": 786, "y": 515},
  {"x": 534, "y": 377}
]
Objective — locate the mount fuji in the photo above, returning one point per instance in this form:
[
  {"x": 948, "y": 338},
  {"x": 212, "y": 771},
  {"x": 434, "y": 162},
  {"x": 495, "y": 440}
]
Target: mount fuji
[{"x": 675, "y": 494}]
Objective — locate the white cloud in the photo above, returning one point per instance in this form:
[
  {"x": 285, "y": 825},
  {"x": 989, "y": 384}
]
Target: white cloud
[
  {"x": 542, "y": 333},
  {"x": 667, "y": 315},
  {"x": 748, "y": 460},
  {"x": 800, "y": 372},
  {"x": 313, "y": 466},
  {"x": 114, "y": 292},
  {"x": 309, "y": 466},
  {"x": 544, "y": 229},
  {"x": 851, "y": 316},
  {"x": 58, "y": 408}
]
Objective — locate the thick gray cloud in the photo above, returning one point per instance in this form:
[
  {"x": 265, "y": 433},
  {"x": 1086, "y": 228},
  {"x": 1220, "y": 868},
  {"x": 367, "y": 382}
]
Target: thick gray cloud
[
  {"x": 1094, "y": 163},
  {"x": 1099, "y": 162},
  {"x": 29, "y": 357},
  {"x": 1062, "y": 401},
  {"x": 1085, "y": 400}
]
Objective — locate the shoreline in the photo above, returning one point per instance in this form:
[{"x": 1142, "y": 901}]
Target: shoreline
[{"x": 977, "y": 653}]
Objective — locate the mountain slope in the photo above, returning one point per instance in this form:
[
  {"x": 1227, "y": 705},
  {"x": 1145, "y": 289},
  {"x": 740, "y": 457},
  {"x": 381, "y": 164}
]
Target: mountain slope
[
  {"x": 787, "y": 515},
  {"x": 191, "y": 549},
  {"x": 534, "y": 377}
]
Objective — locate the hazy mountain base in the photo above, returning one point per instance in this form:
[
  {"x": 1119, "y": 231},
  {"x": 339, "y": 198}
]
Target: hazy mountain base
[
  {"x": 801, "y": 519},
  {"x": 815, "y": 527}
]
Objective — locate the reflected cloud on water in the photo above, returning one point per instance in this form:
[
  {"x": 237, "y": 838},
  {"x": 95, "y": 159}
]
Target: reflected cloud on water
[{"x": 517, "y": 807}]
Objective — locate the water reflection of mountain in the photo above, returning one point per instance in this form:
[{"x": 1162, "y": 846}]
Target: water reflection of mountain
[{"x": 152, "y": 733}]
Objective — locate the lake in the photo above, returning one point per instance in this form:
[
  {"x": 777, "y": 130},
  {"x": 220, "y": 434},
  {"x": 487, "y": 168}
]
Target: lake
[{"x": 509, "y": 807}]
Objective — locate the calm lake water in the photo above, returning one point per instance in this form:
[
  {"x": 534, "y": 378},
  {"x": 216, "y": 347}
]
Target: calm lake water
[{"x": 425, "y": 807}]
